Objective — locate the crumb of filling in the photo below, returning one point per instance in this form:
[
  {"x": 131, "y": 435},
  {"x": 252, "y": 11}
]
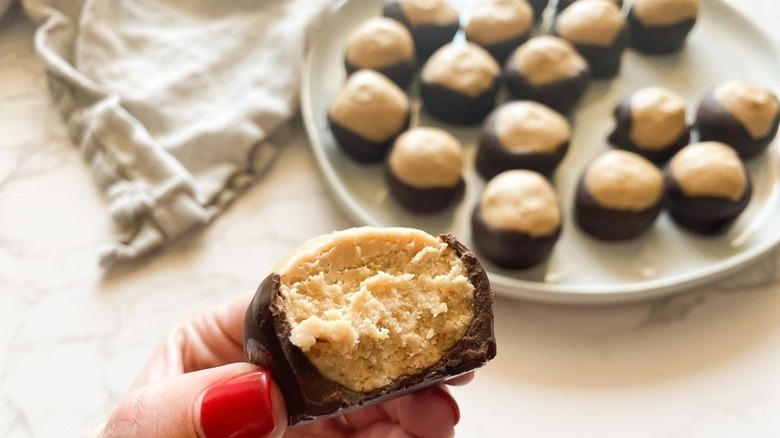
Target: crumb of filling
[{"x": 369, "y": 310}]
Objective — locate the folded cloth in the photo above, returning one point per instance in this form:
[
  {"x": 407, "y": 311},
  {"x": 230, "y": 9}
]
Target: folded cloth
[{"x": 172, "y": 101}]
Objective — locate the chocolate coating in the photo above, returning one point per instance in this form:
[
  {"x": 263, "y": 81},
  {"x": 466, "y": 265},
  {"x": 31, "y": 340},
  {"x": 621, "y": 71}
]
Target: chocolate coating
[
  {"x": 419, "y": 200},
  {"x": 561, "y": 96},
  {"x": 604, "y": 62},
  {"x": 509, "y": 248},
  {"x": 459, "y": 83},
  {"x": 713, "y": 122},
  {"x": 620, "y": 136},
  {"x": 401, "y": 73},
  {"x": 453, "y": 107},
  {"x": 309, "y": 395},
  {"x": 500, "y": 26},
  {"x": 658, "y": 40},
  {"x": 359, "y": 148},
  {"x": 501, "y": 50},
  {"x": 608, "y": 224},
  {"x": 707, "y": 216},
  {"x": 427, "y": 37},
  {"x": 493, "y": 157}
]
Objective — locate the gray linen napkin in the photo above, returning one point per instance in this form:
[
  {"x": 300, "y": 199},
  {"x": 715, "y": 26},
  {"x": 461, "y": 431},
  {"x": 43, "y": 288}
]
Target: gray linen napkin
[{"x": 172, "y": 101}]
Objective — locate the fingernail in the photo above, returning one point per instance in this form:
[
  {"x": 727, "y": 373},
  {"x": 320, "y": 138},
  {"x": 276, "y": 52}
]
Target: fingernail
[
  {"x": 239, "y": 407},
  {"x": 441, "y": 392}
]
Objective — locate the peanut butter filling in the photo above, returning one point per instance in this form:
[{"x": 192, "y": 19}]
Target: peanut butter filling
[
  {"x": 427, "y": 158},
  {"x": 368, "y": 306},
  {"x": 657, "y": 118},
  {"x": 465, "y": 68},
  {"x": 546, "y": 59},
  {"x": 591, "y": 22},
  {"x": 521, "y": 200},
  {"x": 755, "y": 107},
  {"x": 419, "y": 12},
  {"x": 494, "y": 21},
  {"x": 665, "y": 12},
  {"x": 379, "y": 42},
  {"x": 709, "y": 169},
  {"x": 526, "y": 126},
  {"x": 371, "y": 106},
  {"x": 624, "y": 181}
]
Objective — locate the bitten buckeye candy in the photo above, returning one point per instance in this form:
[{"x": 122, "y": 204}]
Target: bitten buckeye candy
[
  {"x": 367, "y": 115},
  {"x": 424, "y": 169},
  {"x": 522, "y": 135},
  {"x": 619, "y": 196},
  {"x": 364, "y": 315},
  {"x": 383, "y": 45},
  {"x": 744, "y": 116},
  {"x": 707, "y": 187},
  {"x": 459, "y": 84},
  {"x": 499, "y": 26},
  {"x": 432, "y": 23},
  {"x": 661, "y": 26},
  {"x": 549, "y": 70},
  {"x": 517, "y": 220},
  {"x": 651, "y": 122},
  {"x": 598, "y": 31}
]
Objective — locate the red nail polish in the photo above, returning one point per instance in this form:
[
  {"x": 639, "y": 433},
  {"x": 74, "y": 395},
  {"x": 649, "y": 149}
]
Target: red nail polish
[
  {"x": 239, "y": 407},
  {"x": 441, "y": 392}
]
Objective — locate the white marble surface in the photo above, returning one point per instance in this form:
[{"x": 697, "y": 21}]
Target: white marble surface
[{"x": 700, "y": 364}]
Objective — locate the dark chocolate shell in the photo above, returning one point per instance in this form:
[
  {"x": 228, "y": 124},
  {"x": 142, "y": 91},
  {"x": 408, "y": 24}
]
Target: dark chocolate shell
[{"x": 310, "y": 395}]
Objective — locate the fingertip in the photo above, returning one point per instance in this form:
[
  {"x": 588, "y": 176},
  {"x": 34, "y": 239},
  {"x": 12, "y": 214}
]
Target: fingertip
[
  {"x": 445, "y": 395},
  {"x": 431, "y": 412},
  {"x": 463, "y": 379},
  {"x": 248, "y": 404}
]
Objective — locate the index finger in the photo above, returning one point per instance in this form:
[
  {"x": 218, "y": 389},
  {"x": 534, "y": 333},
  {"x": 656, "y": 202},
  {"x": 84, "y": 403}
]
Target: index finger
[{"x": 211, "y": 338}]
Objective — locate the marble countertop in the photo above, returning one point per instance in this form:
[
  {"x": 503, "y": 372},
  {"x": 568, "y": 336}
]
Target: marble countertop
[{"x": 72, "y": 338}]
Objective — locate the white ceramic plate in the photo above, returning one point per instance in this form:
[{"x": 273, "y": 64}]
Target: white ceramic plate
[{"x": 723, "y": 45}]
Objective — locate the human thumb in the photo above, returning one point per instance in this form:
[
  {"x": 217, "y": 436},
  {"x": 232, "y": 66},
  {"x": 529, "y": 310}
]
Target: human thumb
[{"x": 237, "y": 400}]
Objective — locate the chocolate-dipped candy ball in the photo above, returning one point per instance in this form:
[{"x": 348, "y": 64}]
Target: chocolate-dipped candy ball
[
  {"x": 651, "y": 122},
  {"x": 549, "y": 70},
  {"x": 383, "y": 45},
  {"x": 499, "y": 26},
  {"x": 661, "y": 26},
  {"x": 744, "y": 116},
  {"x": 707, "y": 187},
  {"x": 367, "y": 115},
  {"x": 459, "y": 83},
  {"x": 432, "y": 23},
  {"x": 563, "y": 4},
  {"x": 598, "y": 31},
  {"x": 522, "y": 134},
  {"x": 619, "y": 196},
  {"x": 364, "y": 315},
  {"x": 517, "y": 220},
  {"x": 424, "y": 169}
]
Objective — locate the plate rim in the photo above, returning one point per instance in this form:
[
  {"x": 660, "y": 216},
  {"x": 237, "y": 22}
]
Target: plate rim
[{"x": 535, "y": 290}]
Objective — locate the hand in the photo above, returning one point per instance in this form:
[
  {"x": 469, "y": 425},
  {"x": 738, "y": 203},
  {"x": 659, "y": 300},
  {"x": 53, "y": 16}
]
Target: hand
[{"x": 197, "y": 385}]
